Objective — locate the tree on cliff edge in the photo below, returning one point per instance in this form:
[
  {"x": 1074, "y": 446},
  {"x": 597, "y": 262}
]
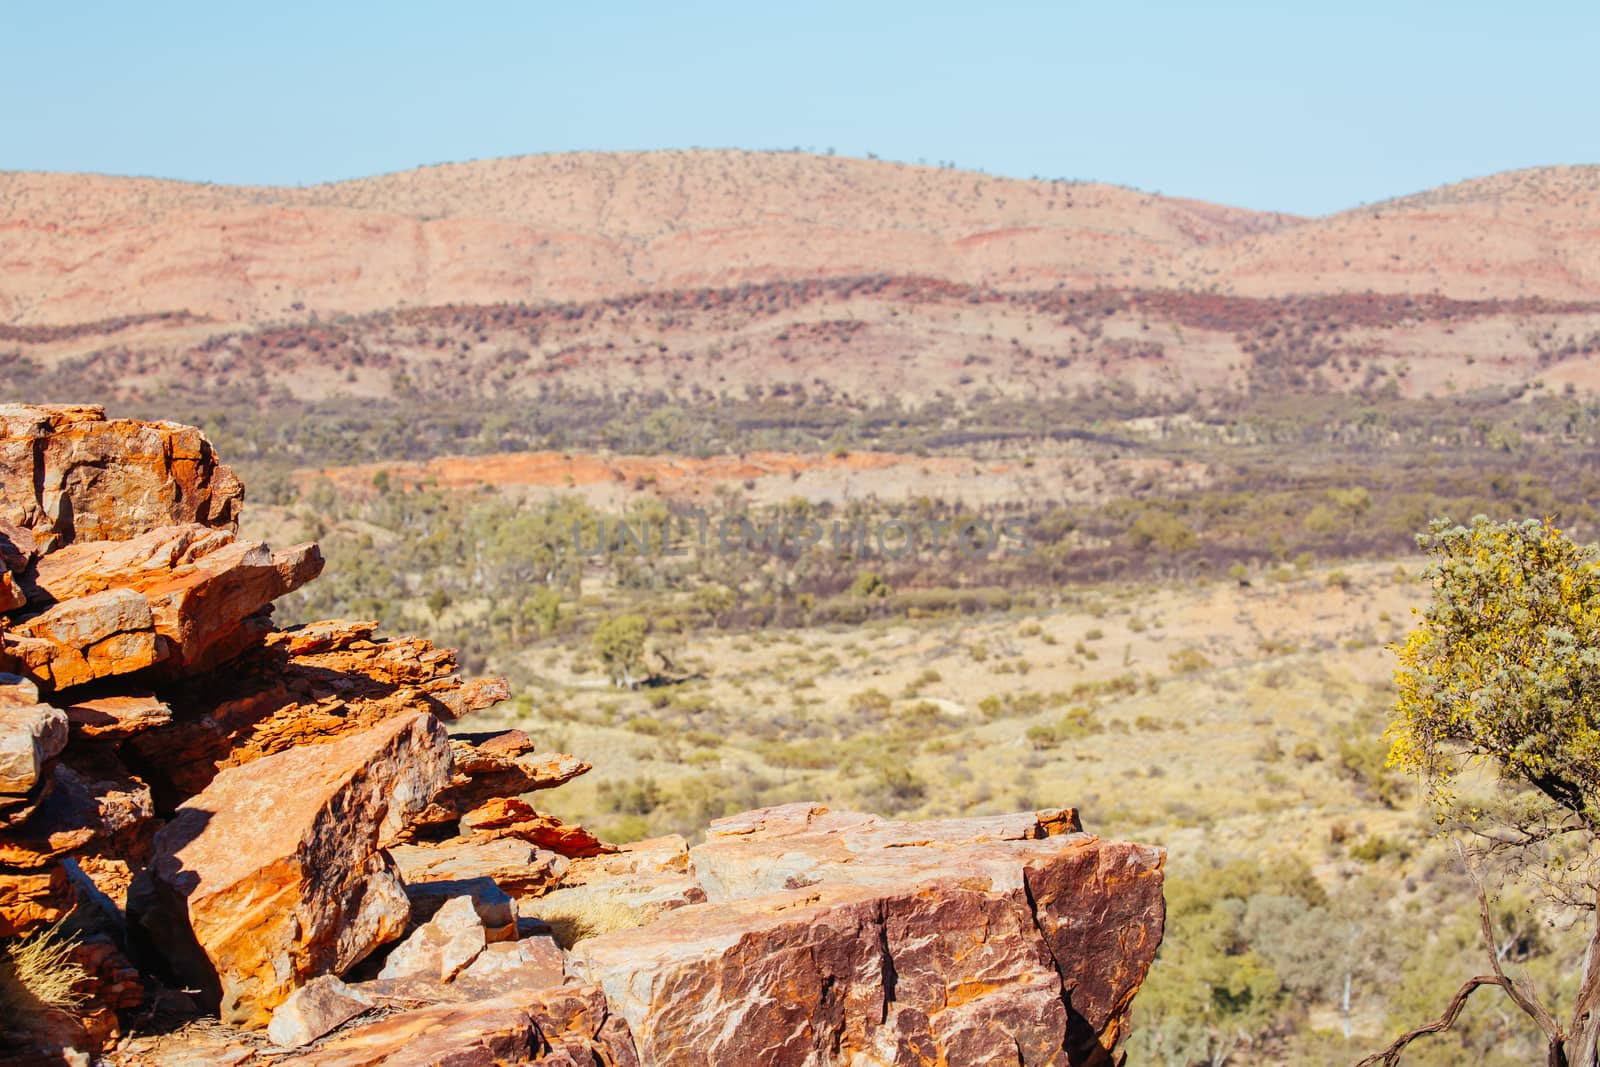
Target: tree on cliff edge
[{"x": 1504, "y": 672}]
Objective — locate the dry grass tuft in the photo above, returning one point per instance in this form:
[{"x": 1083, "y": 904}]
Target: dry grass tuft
[
  {"x": 575, "y": 915},
  {"x": 39, "y": 971}
]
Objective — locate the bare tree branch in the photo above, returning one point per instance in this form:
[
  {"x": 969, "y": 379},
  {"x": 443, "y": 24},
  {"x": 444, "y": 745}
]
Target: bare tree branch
[
  {"x": 1528, "y": 1001},
  {"x": 1390, "y": 1056}
]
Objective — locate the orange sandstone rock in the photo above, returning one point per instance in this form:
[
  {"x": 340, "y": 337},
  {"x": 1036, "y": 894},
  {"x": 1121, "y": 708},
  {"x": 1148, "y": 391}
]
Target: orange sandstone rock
[
  {"x": 201, "y": 587},
  {"x": 274, "y": 874},
  {"x": 307, "y": 686},
  {"x": 80, "y": 640},
  {"x": 510, "y": 817},
  {"x": 67, "y": 473},
  {"x": 838, "y": 937}
]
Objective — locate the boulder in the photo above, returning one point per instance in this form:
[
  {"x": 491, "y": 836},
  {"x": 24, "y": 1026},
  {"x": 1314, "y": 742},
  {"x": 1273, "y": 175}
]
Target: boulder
[
  {"x": 114, "y": 982},
  {"x": 1101, "y": 913},
  {"x": 275, "y": 873},
  {"x": 31, "y": 735},
  {"x": 794, "y": 845},
  {"x": 442, "y": 946},
  {"x": 321, "y": 1005},
  {"x": 667, "y": 854},
  {"x": 533, "y": 962},
  {"x": 67, "y": 474},
  {"x": 201, "y": 585},
  {"x": 203, "y": 609},
  {"x": 497, "y": 912},
  {"x": 838, "y": 937}
]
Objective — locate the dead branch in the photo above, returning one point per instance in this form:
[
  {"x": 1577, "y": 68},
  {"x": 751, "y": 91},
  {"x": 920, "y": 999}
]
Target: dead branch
[
  {"x": 1390, "y": 1056},
  {"x": 1526, "y": 1000}
]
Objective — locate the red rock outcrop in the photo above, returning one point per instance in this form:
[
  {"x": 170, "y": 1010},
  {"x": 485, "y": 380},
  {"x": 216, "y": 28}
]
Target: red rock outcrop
[
  {"x": 306, "y": 686},
  {"x": 67, "y": 473},
  {"x": 843, "y": 938},
  {"x": 291, "y": 832},
  {"x": 202, "y": 587},
  {"x": 313, "y": 893},
  {"x": 138, "y": 627},
  {"x": 185, "y": 597}
]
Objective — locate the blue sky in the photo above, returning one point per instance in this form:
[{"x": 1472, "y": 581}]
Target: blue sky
[{"x": 1281, "y": 105}]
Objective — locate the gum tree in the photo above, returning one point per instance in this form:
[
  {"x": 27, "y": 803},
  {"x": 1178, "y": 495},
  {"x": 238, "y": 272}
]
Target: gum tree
[
  {"x": 619, "y": 642},
  {"x": 1503, "y": 672}
]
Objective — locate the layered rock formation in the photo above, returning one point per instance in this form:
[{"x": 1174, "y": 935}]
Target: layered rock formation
[
  {"x": 836, "y": 937},
  {"x": 279, "y": 823}
]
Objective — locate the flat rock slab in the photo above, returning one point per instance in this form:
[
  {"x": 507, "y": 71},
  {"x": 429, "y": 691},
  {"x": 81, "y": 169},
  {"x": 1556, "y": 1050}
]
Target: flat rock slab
[
  {"x": 568, "y": 1025},
  {"x": 116, "y": 716},
  {"x": 517, "y": 867},
  {"x": 646, "y": 877},
  {"x": 319, "y": 1006}
]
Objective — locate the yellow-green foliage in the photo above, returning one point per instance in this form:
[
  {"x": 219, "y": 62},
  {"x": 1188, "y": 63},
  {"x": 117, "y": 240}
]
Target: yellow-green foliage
[
  {"x": 1188, "y": 661},
  {"x": 1505, "y": 665},
  {"x": 619, "y": 642}
]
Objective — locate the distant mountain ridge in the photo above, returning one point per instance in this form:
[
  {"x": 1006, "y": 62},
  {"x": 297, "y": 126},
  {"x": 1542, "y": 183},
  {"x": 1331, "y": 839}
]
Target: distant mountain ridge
[{"x": 77, "y": 248}]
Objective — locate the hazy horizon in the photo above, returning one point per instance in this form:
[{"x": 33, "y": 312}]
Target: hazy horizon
[
  {"x": 1396, "y": 195},
  {"x": 1228, "y": 106}
]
